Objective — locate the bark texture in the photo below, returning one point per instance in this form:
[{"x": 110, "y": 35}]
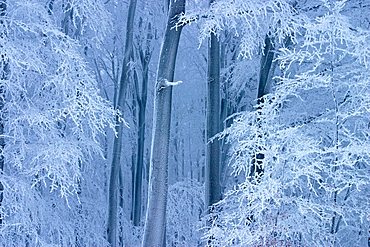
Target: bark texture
[{"x": 155, "y": 223}]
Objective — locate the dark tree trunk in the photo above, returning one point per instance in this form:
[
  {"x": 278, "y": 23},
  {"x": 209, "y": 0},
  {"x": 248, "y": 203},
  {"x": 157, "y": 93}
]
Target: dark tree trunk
[
  {"x": 145, "y": 56},
  {"x": 212, "y": 171},
  {"x": 116, "y": 160},
  {"x": 263, "y": 89},
  {"x": 265, "y": 68}
]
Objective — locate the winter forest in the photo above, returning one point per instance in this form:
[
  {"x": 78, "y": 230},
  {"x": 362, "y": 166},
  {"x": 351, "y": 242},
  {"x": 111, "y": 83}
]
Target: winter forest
[{"x": 185, "y": 123}]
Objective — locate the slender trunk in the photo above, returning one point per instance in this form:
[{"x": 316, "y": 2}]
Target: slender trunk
[
  {"x": 155, "y": 223},
  {"x": 4, "y": 76},
  {"x": 226, "y": 106},
  {"x": 139, "y": 169},
  {"x": 134, "y": 107},
  {"x": 140, "y": 145},
  {"x": 212, "y": 176},
  {"x": 263, "y": 89},
  {"x": 121, "y": 200},
  {"x": 116, "y": 161},
  {"x": 265, "y": 69}
]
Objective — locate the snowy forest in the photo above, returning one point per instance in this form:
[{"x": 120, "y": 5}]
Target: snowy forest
[{"x": 185, "y": 123}]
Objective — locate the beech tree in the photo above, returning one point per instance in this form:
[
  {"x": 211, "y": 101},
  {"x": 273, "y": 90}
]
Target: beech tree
[
  {"x": 141, "y": 92},
  {"x": 313, "y": 188},
  {"x": 121, "y": 99},
  {"x": 155, "y": 221},
  {"x": 52, "y": 116}
]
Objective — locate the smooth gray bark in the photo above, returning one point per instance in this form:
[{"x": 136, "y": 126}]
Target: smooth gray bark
[
  {"x": 116, "y": 160},
  {"x": 155, "y": 223},
  {"x": 212, "y": 168}
]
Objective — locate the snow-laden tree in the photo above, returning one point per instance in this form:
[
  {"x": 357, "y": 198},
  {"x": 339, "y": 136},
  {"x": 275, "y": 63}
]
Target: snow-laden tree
[
  {"x": 249, "y": 20},
  {"x": 252, "y": 23},
  {"x": 313, "y": 132},
  {"x": 89, "y": 18},
  {"x": 185, "y": 205},
  {"x": 53, "y": 116}
]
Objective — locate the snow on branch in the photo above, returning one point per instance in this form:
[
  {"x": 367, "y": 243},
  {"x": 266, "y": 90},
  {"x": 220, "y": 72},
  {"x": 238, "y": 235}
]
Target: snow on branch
[
  {"x": 249, "y": 20},
  {"x": 164, "y": 83}
]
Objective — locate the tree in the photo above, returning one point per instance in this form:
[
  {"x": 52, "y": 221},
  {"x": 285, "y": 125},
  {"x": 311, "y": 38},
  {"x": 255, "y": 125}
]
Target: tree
[
  {"x": 144, "y": 54},
  {"x": 115, "y": 167},
  {"x": 313, "y": 190},
  {"x": 264, "y": 83},
  {"x": 212, "y": 167},
  {"x": 185, "y": 203},
  {"x": 53, "y": 117},
  {"x": 157, "y": 198}
]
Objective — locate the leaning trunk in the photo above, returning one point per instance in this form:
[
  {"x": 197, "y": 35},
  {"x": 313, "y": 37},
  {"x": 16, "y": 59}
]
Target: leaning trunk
[{"x": 155, "y": 222}]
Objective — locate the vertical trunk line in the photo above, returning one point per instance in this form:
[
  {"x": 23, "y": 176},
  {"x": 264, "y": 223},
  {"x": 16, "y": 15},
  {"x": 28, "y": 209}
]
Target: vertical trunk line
[
  {"x": 212, "y": 169},
  {"x": 145, "y": 56},
  {"x": 116, "y": 161},
  {"x": 256, "y": 170},
  {"x": 155, "y": 223}
]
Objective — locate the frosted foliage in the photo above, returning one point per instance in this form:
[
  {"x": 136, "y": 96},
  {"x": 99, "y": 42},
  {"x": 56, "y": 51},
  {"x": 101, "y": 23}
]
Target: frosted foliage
[
  {"x": 313, "y": 187},
  {"x": 248, "y": 19},
  {"x": 53, "y": 116},
  {"x": 184, "y": 207},
  {"x": 86, "y": 15},
  {"x": 131, "y": 235},
  {"x": 39, "y": 218}
]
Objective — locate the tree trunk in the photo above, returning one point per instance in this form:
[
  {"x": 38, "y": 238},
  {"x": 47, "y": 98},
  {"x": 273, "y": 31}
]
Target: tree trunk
[
  {"x": 228, "y": 105},
  {"x": 263, "y": 89},
  {"x": 155, "y": 223},
  {"x": 212, "y": 171},
  {"x": 141, "y": 99},
  {"x": 266, "y": 62},
  {"x": 115, "y": 167},
  {"x": 139, "y": 169}
]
